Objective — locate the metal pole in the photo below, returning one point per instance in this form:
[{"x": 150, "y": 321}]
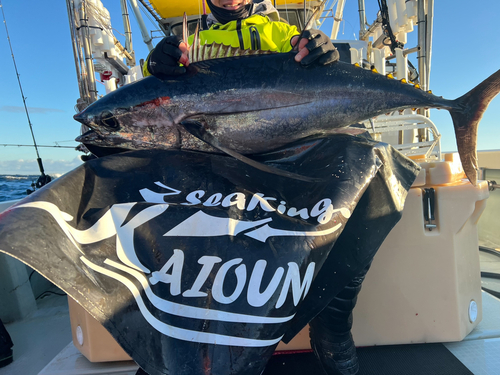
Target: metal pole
[
  {"x": 305, "y": 10},
  {"x": 422, "y": 30},
  {"x": 158, "y": 19},
  {"x": 405, "y": 52},
  {"x": 128, "y": 33},
  {"x": 339, "y": 12},
  {"x": 372, "y": 28},
  {"x": 362, "y": 18},
  {"x": 71, "y": 19},
  {"x": 428, "y": 46},
  {"x": 423, "y": 135},
  {"x": 144, "y": 31},
  {"x": 84, "y": 29}
]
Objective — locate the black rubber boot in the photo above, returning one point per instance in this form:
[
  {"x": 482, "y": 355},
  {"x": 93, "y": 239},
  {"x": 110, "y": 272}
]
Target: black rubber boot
[
  {"x": 330, "y": 331},
  {"x": 5, "y": 347}
]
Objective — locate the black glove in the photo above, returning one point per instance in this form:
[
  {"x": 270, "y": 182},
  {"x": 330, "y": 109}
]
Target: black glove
[
  {"x": 321, "y": 48},
  {"x": 164, "y": 59}
]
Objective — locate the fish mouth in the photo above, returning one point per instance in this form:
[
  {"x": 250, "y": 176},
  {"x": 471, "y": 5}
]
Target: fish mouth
[
  {"x": 93, "y": 137},
  {"x": 90, "y": 136},
  {"x": 100, "y": 146}
]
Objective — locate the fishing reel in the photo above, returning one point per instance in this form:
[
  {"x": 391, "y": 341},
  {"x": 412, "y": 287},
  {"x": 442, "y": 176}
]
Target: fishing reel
[{"x": 43, "y": 180}]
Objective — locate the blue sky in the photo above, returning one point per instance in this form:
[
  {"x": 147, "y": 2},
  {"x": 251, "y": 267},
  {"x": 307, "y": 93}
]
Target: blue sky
[{"x": 465, "y": 51}]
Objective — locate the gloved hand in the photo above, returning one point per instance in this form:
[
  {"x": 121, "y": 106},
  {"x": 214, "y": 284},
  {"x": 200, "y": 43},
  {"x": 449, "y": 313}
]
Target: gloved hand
[
  {"x": 164, "y": 60},
  {"x": 315, "y": 46}
]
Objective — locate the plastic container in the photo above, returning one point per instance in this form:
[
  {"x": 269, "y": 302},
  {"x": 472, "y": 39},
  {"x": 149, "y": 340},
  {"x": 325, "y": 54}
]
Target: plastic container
[
  {"x": 425, "y": 285},
  {"x": 91, "y": 338}
]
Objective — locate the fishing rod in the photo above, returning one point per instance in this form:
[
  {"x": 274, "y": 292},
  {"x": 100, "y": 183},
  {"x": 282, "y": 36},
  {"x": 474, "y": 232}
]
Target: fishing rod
[
  {"x": 14, "y": 145},
  {"x": 43, "y": 179}
]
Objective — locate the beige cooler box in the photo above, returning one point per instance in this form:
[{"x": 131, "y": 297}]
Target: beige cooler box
[{"x": 424, "y": 284}]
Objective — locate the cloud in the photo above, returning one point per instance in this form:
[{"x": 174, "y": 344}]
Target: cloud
[
  {"x": 19, "y": 109},
  {"x": 30, "y": 166}
]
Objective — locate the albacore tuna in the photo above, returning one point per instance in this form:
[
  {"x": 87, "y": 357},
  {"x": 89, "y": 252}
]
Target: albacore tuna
[{"x": 255, "y": 104}]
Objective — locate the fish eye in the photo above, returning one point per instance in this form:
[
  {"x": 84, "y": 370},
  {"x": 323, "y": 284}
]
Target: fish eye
[{"x": 108, "y": 120}]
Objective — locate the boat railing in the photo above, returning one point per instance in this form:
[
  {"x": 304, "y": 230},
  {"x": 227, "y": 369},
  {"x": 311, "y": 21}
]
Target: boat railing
[
  {"x": 489, "y": 225},
  {"x": 6, "y": 204},
  {"x": 401, "y": 131}
]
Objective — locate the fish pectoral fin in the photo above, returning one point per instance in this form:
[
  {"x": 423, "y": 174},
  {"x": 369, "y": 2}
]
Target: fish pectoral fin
[{"x": 197, "y": 129}]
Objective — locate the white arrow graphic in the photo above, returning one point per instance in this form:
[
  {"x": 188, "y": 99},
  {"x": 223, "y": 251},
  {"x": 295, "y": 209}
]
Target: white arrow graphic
[
  {"x": 263, "y": 233},
  {"x": 202, "y": 225}
]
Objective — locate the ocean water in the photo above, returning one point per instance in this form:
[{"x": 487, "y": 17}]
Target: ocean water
[{"x": 15, "y": 186}]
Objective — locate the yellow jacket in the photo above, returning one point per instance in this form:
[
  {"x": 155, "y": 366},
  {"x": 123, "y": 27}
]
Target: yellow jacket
[{"x": 256, "y": 32}]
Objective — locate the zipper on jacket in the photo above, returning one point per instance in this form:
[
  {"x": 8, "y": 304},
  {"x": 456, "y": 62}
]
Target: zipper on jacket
[
  {"x": 240, "y": 35},
  {"x": 255, "y": 38}
]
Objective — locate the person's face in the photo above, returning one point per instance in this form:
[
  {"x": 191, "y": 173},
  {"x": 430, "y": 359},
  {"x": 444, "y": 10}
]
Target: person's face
[{"x": 230, "y": 4}]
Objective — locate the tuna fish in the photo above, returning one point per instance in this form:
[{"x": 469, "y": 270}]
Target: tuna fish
[{"x": 255, "y": 104}]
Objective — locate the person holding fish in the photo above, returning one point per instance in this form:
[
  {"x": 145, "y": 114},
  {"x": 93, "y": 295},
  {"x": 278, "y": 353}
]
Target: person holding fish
[
  {"x": 254, "y": 25},
  {"x": 249, "y": 25}
]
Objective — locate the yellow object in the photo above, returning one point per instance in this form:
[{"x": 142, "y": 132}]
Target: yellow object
[
  {"x": 257, "y": 33},
  {"x": 176, "y": 8},
  {"x": 390, "y": 76},
  {"x": 404, "y": 81},
  {"x": 374, "y": 70}
]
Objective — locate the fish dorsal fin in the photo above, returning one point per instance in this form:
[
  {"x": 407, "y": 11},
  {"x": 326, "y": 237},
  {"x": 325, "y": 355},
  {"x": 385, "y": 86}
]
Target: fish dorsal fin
[
  {"x": 194, "y": 50},
  {"x": 220, "y": 51},
  {"x": 198, "y": 52}
]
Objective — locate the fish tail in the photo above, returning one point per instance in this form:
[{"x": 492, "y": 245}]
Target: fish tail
[{"x": 466, "y": 113}]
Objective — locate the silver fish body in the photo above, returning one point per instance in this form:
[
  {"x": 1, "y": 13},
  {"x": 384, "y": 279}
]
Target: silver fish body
[{"x": 254, "y": 104}]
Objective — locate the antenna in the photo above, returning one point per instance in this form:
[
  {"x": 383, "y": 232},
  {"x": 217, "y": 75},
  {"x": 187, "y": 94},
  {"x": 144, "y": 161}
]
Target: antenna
[{"x": 305, "y": 17}]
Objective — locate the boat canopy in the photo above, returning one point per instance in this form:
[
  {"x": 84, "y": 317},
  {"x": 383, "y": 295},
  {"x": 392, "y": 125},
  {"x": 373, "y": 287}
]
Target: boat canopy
[{"x": 176, "y": 8}]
